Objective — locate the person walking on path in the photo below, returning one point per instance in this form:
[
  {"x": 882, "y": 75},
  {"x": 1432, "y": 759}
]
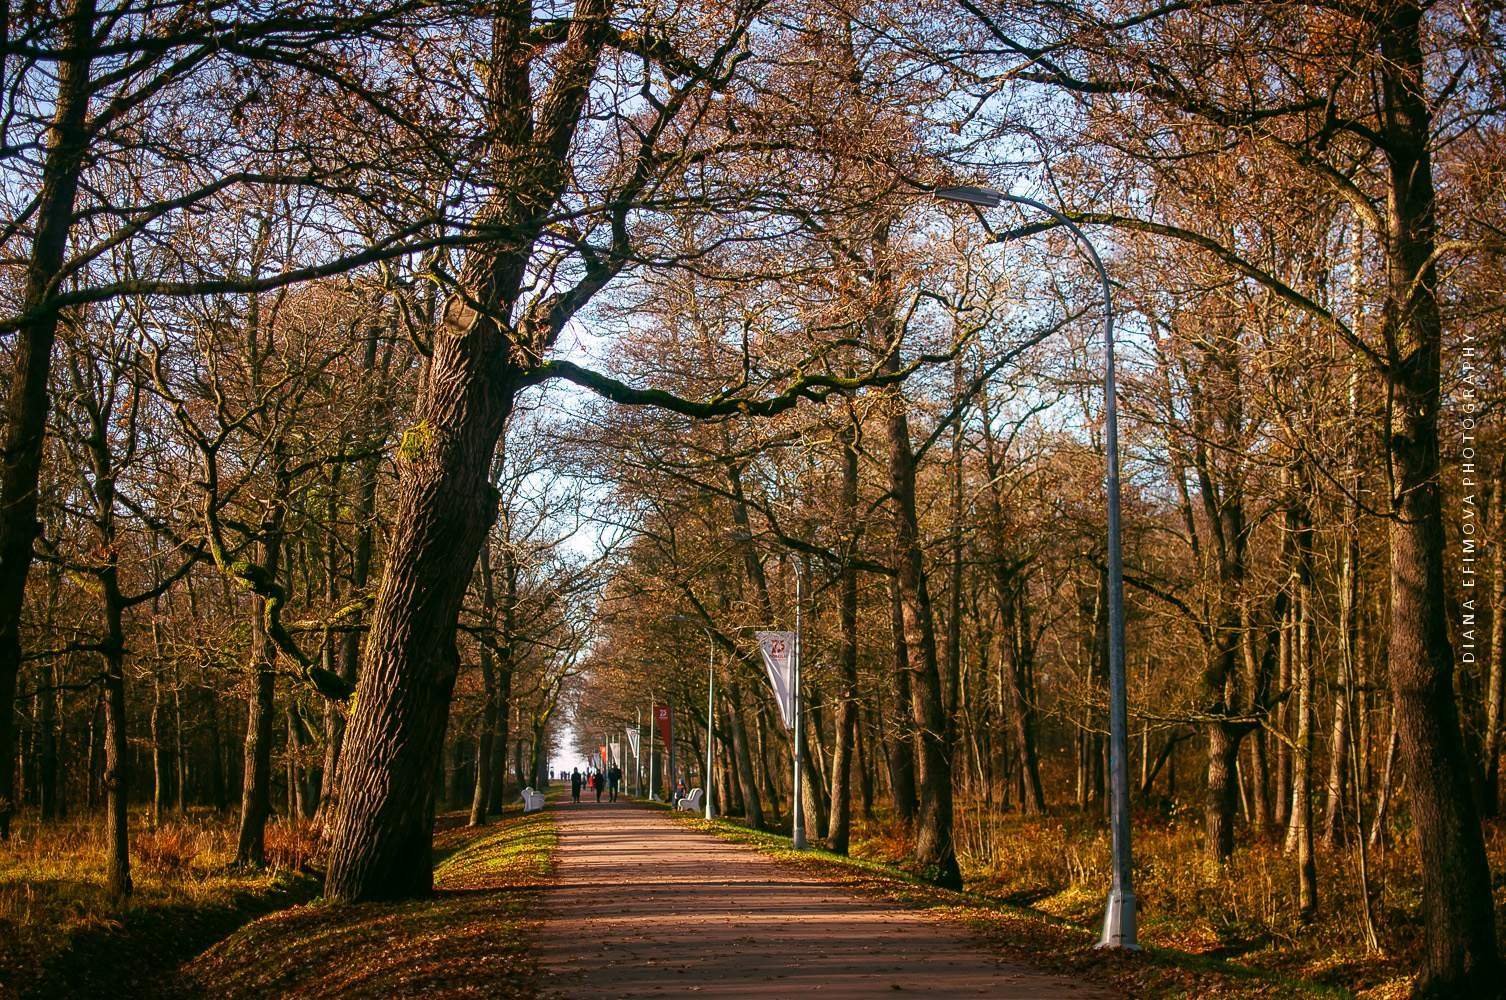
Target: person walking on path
[
  {"x": 601, "y": 781},
  {"x": 614, "y": 778},
  {"x": 575, "y": 786}
]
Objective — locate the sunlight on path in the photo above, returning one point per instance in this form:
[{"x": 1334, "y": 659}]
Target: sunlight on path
[{"x": 642, "y": 906}]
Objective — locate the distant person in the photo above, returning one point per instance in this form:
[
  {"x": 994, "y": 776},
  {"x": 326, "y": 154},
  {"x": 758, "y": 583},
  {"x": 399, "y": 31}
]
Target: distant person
[
  {"x": 680, "y": 791},
  {"x": 601, "y": 783},
  {"x": 614, "y": 778},
  {"x": 575, "y": 785}
]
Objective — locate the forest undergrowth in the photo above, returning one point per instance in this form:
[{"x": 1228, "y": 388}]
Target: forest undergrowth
[{"x": 62, "y": 933}]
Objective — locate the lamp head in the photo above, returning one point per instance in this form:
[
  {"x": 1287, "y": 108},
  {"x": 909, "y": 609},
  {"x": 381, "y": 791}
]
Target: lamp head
[{"x": 984, "y": 197}]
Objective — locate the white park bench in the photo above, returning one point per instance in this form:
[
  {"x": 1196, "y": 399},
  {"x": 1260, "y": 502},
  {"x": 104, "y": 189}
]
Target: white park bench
[
  {"x": 692, "y": 802},
  {"x": 532, "y": 801}
]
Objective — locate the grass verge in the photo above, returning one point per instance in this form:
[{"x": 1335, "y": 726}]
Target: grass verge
[
  {"x": 469, "y": 939},
  {"x": 62, "y": 934},
  {"x": 1028, "y": 936}
]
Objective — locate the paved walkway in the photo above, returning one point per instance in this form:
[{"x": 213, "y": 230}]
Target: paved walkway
[{"x": 643, "y": 906}]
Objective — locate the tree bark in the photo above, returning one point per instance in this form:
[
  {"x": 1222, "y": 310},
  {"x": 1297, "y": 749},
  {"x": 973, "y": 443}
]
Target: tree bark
[
  {"x": 840, "y": 826},
  {"x": 1460, "y": 956},
  {"x": 1300, "y": 830},
  {"x": 445, "y": 502},
  {"x": 743, "y": 754},
  {"x": 256, "y": 764},
  {"x": 901, "y": 742},
  {"x": 383, "y": 832},
  {"x": 506, "y": 653},
  {"x": 935, "y": 853},
  {"x": 487, "y": 724},
  {"x": 27, "y": 401},
  {"x": 1495, "y": 693}
]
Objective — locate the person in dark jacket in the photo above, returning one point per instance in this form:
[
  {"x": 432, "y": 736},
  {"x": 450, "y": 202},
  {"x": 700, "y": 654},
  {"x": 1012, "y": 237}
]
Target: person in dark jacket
[
  {"x": 575, "y": 786},
  {"x": 600, "y": 785},
  {"x": 614, "y": 778}
]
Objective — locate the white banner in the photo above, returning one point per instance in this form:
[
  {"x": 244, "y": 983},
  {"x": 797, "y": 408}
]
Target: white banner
[
  {"x": 778, "y": 650},
  {"x": 633, "y": 742}
]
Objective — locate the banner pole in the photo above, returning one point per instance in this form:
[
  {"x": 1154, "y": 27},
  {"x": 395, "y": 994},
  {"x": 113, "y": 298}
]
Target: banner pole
[
  {"x": 797, "y": 834},
  {"x": 710, "y": 719}
]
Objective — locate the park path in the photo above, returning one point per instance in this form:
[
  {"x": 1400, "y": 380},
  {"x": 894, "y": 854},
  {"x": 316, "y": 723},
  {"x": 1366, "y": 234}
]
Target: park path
[{"x": 643, "y": 906}]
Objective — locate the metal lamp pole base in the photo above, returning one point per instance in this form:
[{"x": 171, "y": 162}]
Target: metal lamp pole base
[{"x": 1119, "y": 921}]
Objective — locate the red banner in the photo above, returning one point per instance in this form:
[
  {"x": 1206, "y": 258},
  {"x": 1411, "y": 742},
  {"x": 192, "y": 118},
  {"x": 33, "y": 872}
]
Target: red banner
[
  {"x": 603, "y": 758},
  {"x": 661, "y": 713}
]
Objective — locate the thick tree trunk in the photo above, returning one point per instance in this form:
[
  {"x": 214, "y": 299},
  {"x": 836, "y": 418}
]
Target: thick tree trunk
[
  {"x": 1495, "y": 691},
  {"x": 935, "y": 853},
  {"x": 256, "y": 764},
  {"x": 1218, "y": 812},
  {"x": 840, "y": 827},
  {"x": 813, "y": 787},
  {"x": 1460, "y": 957},
  {"x": 26, "y": 402},
  {"x": 446, "y": 504}
]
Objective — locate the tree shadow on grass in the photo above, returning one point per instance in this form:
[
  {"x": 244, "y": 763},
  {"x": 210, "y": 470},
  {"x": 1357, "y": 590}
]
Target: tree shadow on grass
[
  {"x": 470, "y": 938},
  {"x": 134, "y": 955}
]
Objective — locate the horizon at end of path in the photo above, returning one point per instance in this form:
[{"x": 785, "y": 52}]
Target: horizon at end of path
[{"x": 642, "y": 906}]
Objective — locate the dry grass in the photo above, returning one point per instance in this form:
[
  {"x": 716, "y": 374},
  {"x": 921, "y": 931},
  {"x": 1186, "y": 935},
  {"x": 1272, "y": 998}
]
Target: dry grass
[
  {"x": 1243, "y": 914},
  {"x": 62, "y": 933},
  {"x": 469, "y": 939}
]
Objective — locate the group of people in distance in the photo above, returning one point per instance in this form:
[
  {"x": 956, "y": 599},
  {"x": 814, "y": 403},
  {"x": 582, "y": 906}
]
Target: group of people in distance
[{"x": 595, "y": 781}]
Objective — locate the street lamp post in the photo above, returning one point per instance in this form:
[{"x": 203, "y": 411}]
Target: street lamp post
[
  {"x": 710, "y": 700},
  {"x": 1119, "y": 916}
]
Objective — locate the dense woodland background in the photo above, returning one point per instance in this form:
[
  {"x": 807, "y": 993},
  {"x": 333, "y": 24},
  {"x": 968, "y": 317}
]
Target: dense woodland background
[{"x": 262, "y": 263}]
